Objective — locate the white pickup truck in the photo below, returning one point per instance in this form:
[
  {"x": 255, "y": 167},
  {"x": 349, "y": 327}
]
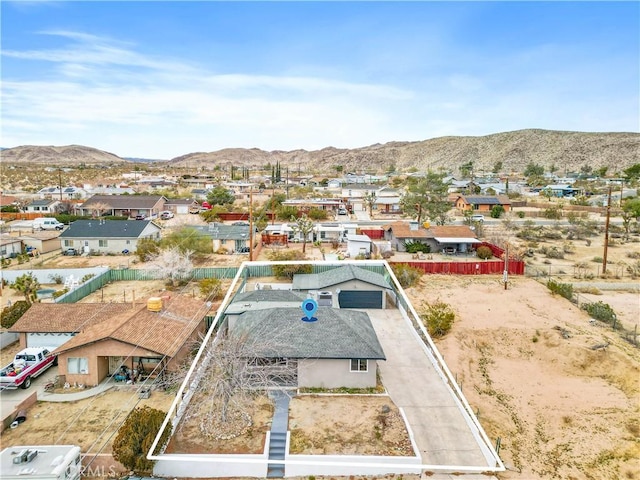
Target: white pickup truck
[{"x": 26, "y": 365}]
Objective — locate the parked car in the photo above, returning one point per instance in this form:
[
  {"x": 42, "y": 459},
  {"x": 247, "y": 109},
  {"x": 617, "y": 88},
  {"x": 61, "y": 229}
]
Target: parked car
[
  {"x": 141, "y": 216},
  {"x": 166, "y": 215},
  {"x": 477, "y": 218},
  {"x": 70, "y": 252}
]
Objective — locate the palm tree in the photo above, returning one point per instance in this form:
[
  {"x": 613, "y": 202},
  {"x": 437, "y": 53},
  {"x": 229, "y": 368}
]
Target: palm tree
[{"x": 28, "y": 285}]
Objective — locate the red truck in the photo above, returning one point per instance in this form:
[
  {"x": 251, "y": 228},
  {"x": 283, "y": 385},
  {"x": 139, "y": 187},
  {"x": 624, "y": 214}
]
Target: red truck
[{"x": 26, "y": 365}]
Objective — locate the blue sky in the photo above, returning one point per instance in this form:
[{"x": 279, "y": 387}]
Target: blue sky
[{"x": 162, "y": 79}]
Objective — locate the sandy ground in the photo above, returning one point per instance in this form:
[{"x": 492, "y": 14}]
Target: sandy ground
[
  {"x": 90, "y": 423},
  {"x": 324, "y": 425},
  {"x": 561, "y": 409}
]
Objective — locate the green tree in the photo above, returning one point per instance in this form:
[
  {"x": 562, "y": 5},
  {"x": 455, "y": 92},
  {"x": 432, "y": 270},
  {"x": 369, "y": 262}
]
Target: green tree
[
  {"x": 427, "y": 197},
  {"x": 287, "y": 271},
  {"x": 497, "y": 167},
  {"x": 188, "y": 239},
  {"x": 466, "y": 169},
  {"x": 632, "y": 173},
  {"x": 220, "y": 196},
  {"x": 339, "y": 169},
  {"x": 533, "y": 170},
  {"x": 135, "y": 437},
  {"x": 28, "y": 285},
  {"x": 147, "y": 248},
  {"x": 303, "y": 225},
  {"x": 630, "y": 211},
  {"x": 285, "y": 212},
  {"x": 497, "y": 211}
]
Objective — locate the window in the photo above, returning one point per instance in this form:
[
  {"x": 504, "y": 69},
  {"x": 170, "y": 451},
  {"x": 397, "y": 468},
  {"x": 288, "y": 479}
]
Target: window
[
  {"x": 78, "y": 365},
  {"x": 128, "y": 242},
  {"x": 359, "y": 365},
  {"x": 103, "y": 243},
  {"x": 68, "y": 243}
]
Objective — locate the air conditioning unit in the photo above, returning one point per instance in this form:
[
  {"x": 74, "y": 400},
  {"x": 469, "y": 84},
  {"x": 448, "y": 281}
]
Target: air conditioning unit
[{"x": 325, "y": 299}]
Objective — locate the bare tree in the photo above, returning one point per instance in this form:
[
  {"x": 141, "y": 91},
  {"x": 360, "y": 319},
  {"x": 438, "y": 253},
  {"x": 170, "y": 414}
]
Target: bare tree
[
  {"x": 173, "y": 264},
  {"x": 370, "y": 200},
  {"x": 235, "y": 374},
  {"x": 98, "y": 208}
]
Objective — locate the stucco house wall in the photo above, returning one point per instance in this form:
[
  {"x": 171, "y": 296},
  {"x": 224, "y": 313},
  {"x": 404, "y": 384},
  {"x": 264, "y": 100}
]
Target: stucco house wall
[
  {"x": 105, "y": 245},
  {"x": 97, "y": 360},
  {"x": 334, "y": 373}
]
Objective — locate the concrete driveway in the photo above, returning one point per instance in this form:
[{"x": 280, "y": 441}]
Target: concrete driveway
[
  {"x": 9, "y": 399},
  {"x": 440, "y": 429}
]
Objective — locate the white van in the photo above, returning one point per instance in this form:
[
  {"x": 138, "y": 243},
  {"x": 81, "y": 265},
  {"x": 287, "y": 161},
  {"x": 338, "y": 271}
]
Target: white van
[{"x": 47, "y": 224}]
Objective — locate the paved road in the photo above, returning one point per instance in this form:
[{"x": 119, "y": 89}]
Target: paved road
[{"x": 441, "y": 432}]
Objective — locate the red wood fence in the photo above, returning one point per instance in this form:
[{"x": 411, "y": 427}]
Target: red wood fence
[{"x": 480, "y": 267}]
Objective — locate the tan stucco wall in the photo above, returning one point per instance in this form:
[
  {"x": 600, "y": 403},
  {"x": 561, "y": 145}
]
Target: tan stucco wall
[{"x": 330, "y": 373}]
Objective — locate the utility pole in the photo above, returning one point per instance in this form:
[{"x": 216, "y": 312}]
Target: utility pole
[
  {"x": 505, "y": 275},
  {"x": 60, "y": 182},
  {"x": 606, "y": 233},
  {"x": 251, "y": 224}
]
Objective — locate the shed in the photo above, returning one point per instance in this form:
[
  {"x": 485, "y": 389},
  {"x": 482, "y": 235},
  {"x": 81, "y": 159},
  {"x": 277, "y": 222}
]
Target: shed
[{"x": 358, "y": 245}]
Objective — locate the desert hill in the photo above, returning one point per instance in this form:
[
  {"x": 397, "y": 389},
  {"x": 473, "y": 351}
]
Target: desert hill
[
  {"x": 66, "y": 155},
  {"x": 566, "y": 151}
]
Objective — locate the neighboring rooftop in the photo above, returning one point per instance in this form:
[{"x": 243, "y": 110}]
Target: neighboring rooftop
[
  {"x": 316, "y": 281},
  {"x": 105, "y": 229}
]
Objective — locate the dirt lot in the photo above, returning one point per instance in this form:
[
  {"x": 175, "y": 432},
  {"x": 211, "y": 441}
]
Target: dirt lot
[
  {"x": 561, "y": 409},
  {"x": 325, "y": 425},
  {"x": 89, "y": 423}
]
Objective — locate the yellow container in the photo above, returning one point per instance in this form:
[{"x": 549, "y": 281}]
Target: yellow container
[{"x": 154, "y": 304}]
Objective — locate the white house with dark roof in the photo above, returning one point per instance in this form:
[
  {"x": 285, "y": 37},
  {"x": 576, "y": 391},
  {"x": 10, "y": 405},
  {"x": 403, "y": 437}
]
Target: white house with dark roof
[
  {"x": 107, "y": 236},
  {"x": 347, "y": 287},
  {"x": 339, "y": 349},
  {"x": 44, "y": 205},
  {"x": 124, "y": 205}
]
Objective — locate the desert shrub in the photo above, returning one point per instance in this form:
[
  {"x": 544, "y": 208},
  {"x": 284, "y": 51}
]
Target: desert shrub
[
  {"x": 12, "y": 314},
  {"x": 563, "y": 289},
  {"x": 484, "y": 252},
  {"x": 438, "y": 317},
  {"x": 136, "y": 435},
  {"x": 497, "y": 211},
  {"x": 416, "y": 246},
  {"x": 552, "y": 213},
  {"x": 147, "y": 248},
  {"x": 5, "y": 262},
  {"x": 210, "y": 288},
  {"x": 87, "y": 277},
  {"x": 521, "y": 214},
  {"x": 407, "y": 275},
  {"x": 288, "y": 271},
  {"x": 597, "y": 259},
  {"x": 59, "y": 293},
  {"x": 634, "y": 269},
  {"x": 567, "y": 247},
  {"x": 554, "y": 252},
  {"x": 56, "y": 278},
  {"x": 285, "y": 212},
  {"x": 634, "y": 255},
  {"x": 315, "y": 213},
  {"x": 551, "y": 234},
  {"x": 600, "y": 311},
  {"x": 387, "y": 254}
]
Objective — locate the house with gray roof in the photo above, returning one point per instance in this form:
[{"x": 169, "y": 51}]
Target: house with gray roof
[
  {"x": 107, "y": 236},
  {"x": 339, "y": 349},
  {"x": 232, "y": 238},
  {"x": 44, "y": 205},
  {"x": 347, "y": 287},
  {"x": 124, "y": 205}
]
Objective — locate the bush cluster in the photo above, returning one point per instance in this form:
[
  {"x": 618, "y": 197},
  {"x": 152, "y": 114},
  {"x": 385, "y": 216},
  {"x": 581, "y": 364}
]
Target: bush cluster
[
  {"x": 407, "y": 275},
  {"x": 12, "y": 314},
  {"x": 416, "y": 247},
  {"x": 288, "y": 271},
  {"x": 484, "y": 252},
  {"x": 601, "y": 311},
  {"x": 438, "y": 317},
  {"x": 563, "y": 289},
  {"x": 211, "y": 288}
]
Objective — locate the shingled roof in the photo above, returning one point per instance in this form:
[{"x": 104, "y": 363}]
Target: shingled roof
[
  {"x": 338, "y": 333},
  {"x": 124, "y": 201},
  {"x": 161, "y": 332},
  {"x": 66, "y": 318},
  {"x": 314, "y": 281},
  {"x": 106, "y": 229}
]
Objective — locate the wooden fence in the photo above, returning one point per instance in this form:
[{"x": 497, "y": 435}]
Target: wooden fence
[{"x": 480, "y": 267}]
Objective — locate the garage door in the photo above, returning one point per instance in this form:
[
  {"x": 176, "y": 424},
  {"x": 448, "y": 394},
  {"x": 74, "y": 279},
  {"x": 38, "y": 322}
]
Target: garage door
[
  {"x": 360, "y": 299},
  {"x": 47, "y": 339}
]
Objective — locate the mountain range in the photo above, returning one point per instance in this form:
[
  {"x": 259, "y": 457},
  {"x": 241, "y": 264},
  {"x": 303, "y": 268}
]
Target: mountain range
[{"x": 511, "y": 151}]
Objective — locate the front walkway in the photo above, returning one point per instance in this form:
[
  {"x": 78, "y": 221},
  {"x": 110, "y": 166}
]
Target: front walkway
[
  {"x": 105, "y": 385},
  {"x": 439, "y": 427}
]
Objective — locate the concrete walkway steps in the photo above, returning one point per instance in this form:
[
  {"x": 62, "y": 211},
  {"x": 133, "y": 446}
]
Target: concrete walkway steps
[{"x": 278, "y": 435}]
